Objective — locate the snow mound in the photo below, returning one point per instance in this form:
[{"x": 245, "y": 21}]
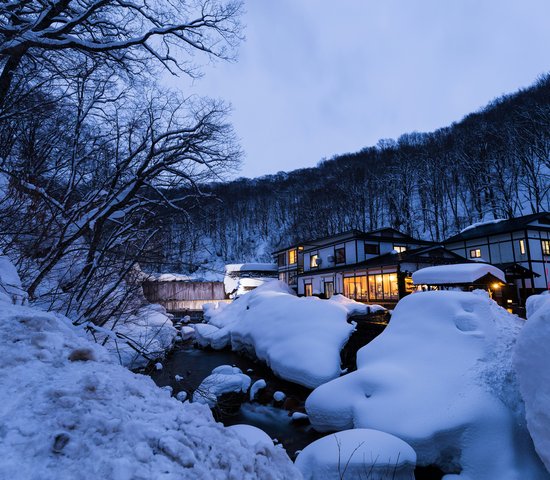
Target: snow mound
[
  {"x": 455, "y": 274},
  {"x": 224, "y": 379},
  {"x": 299, "y": 338},
  {"x": 354, "y": 307},
  {"x": 68, "y": 411},
  {"x": 11, "y": 290},
  {"x": 440, "y": 377},
  {"x": 359, "y": 453},
  {"x": 531, "y": 360},
  {"x": 253, "y": 436}
]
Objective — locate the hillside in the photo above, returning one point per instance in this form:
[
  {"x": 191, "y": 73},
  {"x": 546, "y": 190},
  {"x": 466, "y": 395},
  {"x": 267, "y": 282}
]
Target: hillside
[{"x": 494, "y": 163}]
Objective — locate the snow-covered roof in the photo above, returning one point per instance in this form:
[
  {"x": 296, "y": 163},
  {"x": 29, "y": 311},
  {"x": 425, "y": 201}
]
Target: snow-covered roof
[
  {"x": 455, "y": 274},
  {"x": 479, "y": 224},
  {"x": 251, "y": 267}
]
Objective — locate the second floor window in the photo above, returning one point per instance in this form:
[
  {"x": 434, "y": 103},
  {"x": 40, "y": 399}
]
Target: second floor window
[
  {"x": 545, "y": 247},
  {"x": 372, "y": 249},
  {"x": 399, "y": 248},
  {"x": 522, "y": 247},
  {"x": 281, "y": 260},
  {"x": 292, "y": 256},
  {"x": 475, "y": 253},
  {"x": 314, "y": 261},
  {"x": 340, "y": 255}
]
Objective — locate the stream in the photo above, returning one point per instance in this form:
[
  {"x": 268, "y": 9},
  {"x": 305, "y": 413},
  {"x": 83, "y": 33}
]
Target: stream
[{"x": 191, "y": 365}]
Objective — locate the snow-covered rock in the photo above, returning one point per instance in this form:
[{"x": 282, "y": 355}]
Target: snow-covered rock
[
  {"x": 532, "y": 361},
  {"x": 256, "y": 387},
  {"x": 279, "y": 396},
  {"x": 440, "y": 377},
  {"x": 207, "y": 335},
  {"x": 187, "y": 332},
  {"x": 253, "y": 436},
  {"x": 299, "y": 338},
  {"x": 359, "y": 453},
  {"x": 354, "y": 307},
  {"x": 67, "y": 410},
  {"x": 224, "y": 379}
]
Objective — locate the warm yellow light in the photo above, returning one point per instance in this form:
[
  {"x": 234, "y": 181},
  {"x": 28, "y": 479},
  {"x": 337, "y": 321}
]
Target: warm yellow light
[{"x": 495, "y": 286}]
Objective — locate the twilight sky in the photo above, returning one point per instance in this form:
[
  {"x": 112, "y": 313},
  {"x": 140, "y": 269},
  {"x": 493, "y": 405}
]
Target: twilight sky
[{"x": 315, "y": 78}]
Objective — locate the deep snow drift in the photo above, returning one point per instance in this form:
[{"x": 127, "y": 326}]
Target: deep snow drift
[
  {"x": 440, "y": 377},
  {"x": 358, "y": 454},
  {"x": 532, "y": 362},
  {"x": 68, "y": 411},
  {"x": 299, "y": 338}
]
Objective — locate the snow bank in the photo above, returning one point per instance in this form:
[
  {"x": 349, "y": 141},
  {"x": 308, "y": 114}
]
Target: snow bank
[
  {"x": 240, "y": 278},
  {"x": 440, "y": 377},
  {"x": 253, "y": 436},
  {"x": 150, "y": 331},
  {"x": 224, "y": 379},
  {"x": 355, "y": 308},
  {"x": 299, "y": 338},
  {"x": 455, "y": 274},
  {"x": 531, "y": 360},
  {"x": 68, "y": 411},
  {"x": 359, "y": 453}
]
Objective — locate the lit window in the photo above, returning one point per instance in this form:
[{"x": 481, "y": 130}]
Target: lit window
[
  {"x": 292, "y": 257},
  {"x": 522, "y": 247},
  {"x": 399, "y": 248},
  {"x": 475, "y": 253},
  {"x": 308, "y": 289},
  {"x": 314, "y": 261},
  {"x": 545, "y": 247},
  {"x": 372, "y": 249},
  {"x": 340, "y": 255},
  {"x": 383, "y": 287}
]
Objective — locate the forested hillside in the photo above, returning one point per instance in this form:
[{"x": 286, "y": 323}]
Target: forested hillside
[{"x": 492, "y": 164}]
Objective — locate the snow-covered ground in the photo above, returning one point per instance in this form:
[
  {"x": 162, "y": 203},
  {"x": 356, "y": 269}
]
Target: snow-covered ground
[
  {"x": 440, "y": 377},
  {"x": 68, "y": 410},
  {"x": 532, "y": 362},
  {"x": 299, "y": 338}
]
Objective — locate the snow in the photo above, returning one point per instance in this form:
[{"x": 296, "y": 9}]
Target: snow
[
  {"x": 299, "y": 338},
  {"x": 187, "y": 333},
  {"x": 158, "y": 366},
  {"x": 68, "y": 410},
  {"x": 150, "y": 330},
  {"x": 10, "y": 285},
  {"x": 279, "y": 396},
  {"x": 224, "y": 379},
  {"x": 440, "y": 377},
  {"x": 256, "y": 387},
  {"x": 531, "y": 360},
  {"x": 359, "y": 453},
  {"x": 354, "y": 307},
  {"x": 181, "y": 396},
  {"x": 455, "y": 274},
  {"x": 253, "y": 436},
  {"x": 298, "y": 416},
  {"x": 173, "y": 277},
  {"x": 242, "y": 277},
  {"x": 479, "y": 224}
]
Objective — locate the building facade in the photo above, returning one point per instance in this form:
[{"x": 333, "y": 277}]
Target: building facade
[{"x": 520, "y": 247}]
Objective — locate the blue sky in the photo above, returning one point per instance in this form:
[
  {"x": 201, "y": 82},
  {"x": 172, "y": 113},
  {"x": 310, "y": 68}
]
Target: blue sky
[{"x": 315, "y": 78}]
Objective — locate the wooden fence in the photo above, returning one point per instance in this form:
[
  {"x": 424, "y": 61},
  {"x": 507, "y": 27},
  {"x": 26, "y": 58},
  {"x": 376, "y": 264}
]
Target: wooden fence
[{"x": 184, "y": 296}]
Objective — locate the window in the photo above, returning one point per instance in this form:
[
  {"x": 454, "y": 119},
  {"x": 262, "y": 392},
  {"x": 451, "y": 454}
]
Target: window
[
  {"x": 281, "y": 259},
  {"x": 475, "y": 253},
  {"x": 356, "y": 287},
  {"x": 522, "y": 247},
  {"x": 372, "y": 249},
  {"x": 314, "y": 261},
  {"x": 399, "y": 248},
  {"x": 545, "y": 247},
  {"x": 383, "y": 287},
  {"x": 308, "y": 289},
  {"x": 340, "y": 255},
  {"x": 292, "y": 256},
  {"x": 292, "y": 277}
]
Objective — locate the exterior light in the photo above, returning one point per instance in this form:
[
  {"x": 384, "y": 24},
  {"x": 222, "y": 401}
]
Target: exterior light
[{"x": 495, "y": 286}]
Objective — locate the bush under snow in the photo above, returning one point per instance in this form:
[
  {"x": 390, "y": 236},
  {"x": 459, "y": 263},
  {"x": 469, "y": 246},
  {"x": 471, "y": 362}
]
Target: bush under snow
[
  {"x": 68, "y": 411},
  {"x": 440, "y": 377}
]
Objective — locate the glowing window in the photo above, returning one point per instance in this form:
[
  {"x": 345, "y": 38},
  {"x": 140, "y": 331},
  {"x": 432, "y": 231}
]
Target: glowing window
[
  {"x": 292, "y": 256},
  {"x": 522, "y": 247},
  {"x": 475, "y": 253},
  {"x": 545, "y": 247},
  {"x": 399, "y": 248},
  {"x": 308, "y": 289},
  {"x": 314, "y": 261}
]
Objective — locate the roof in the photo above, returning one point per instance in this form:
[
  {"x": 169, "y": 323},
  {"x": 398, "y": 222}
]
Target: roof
[
  {"x": 495, "y": 227},
  {"x": 381, "y": 234},
  {"x": 250, "y": 267},
  {"x": 456, "y": 274}
]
